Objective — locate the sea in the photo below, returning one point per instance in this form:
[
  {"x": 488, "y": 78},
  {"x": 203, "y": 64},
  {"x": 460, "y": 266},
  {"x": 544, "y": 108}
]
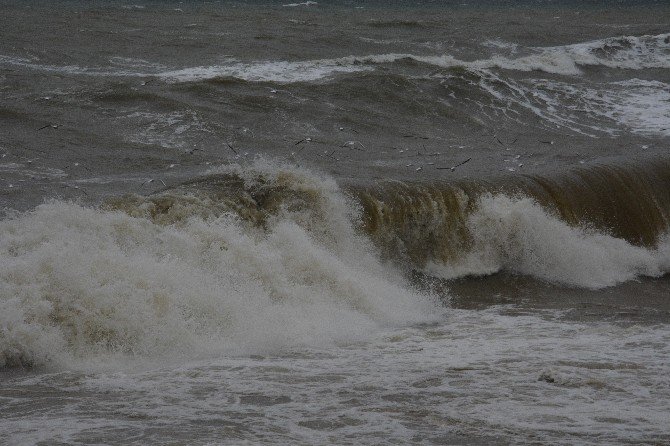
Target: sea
[{"x": 353, "y": 222}]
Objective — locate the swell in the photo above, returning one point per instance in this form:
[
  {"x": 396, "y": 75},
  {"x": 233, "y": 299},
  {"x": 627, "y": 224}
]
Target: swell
[{"x": 466, "y": 95}]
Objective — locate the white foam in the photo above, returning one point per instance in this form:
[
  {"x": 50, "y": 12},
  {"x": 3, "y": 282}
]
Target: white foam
[
  {"x": 293, "y": 5},
  {"x": 169, "y": 130},
  {"x": 521, "y": 379},
  {"x": 518, "y": 235},
  {"x": 80, "y": 285},
  {"x": 639, "y": 105},
  {"x": 611, "y": 108},
  {"x": 625, "y": 52},
  {"x": 270, "y": 71}
]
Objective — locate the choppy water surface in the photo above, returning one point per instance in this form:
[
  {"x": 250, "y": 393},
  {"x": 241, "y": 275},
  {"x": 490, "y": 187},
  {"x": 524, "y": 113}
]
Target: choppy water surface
[{"x": 334, "y": 223}]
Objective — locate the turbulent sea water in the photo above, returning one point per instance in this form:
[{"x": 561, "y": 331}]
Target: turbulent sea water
[{"x": 352, "y": 222}]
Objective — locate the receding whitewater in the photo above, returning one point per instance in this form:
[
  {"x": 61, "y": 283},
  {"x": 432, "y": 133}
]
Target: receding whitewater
[{"x": 334, "y": 223}]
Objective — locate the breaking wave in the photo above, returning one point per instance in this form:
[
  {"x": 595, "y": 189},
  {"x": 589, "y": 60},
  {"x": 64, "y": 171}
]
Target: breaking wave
[
  {"x": 626, "y": 52},
  {"x": 517, "y": 235},
  {"x": 593, "y": 227},
  {"x": 270, "y": 257},
  {"x": 180, "y": 275}
]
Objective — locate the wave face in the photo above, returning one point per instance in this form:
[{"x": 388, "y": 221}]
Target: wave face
[
  {"x": 275, "y": 265},
  {"x": 590, "y": 228}
]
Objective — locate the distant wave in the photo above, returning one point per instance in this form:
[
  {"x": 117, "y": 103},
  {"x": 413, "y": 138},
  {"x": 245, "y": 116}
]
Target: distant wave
[
  {"x": 627, "y": 52},
  {"x": 396, "y": 23},
  {"x": 634, "y": 105},
  {"x": 33, "y": 64},
  {"x": 276, "y": 71}
]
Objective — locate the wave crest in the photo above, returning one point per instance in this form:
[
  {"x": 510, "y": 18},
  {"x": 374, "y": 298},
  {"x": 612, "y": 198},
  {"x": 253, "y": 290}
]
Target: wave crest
[{"x": 516, "y": 234}]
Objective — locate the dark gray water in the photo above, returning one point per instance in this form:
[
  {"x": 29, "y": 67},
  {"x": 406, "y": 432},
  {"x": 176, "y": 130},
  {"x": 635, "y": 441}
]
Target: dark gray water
[
  {"x": 334, "y": 222},
  {"x": 380, "y": 91}
]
